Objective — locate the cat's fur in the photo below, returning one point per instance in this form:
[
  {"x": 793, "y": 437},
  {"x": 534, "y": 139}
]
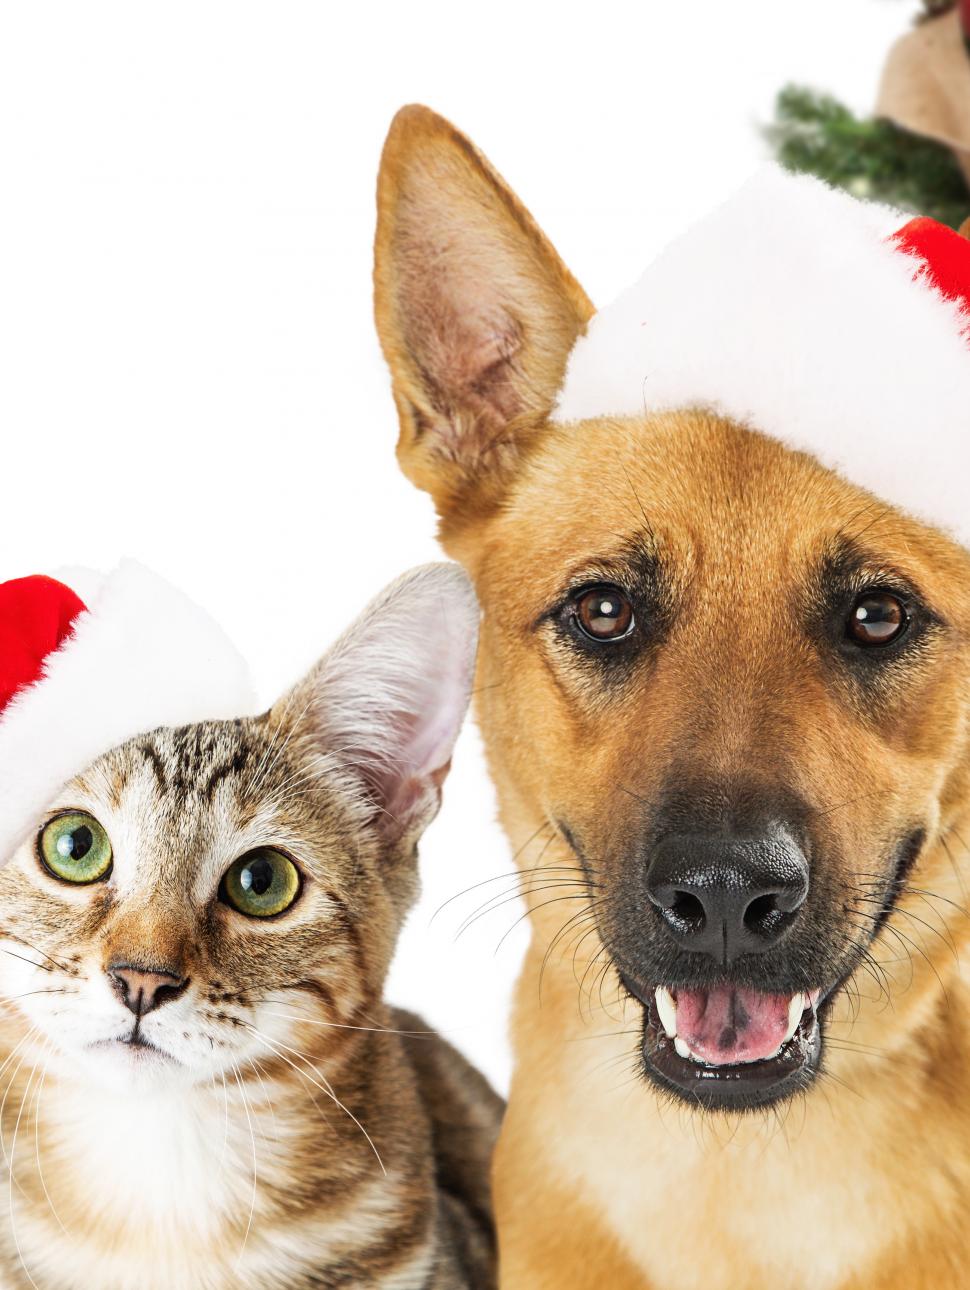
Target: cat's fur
[{"x": 307, "y": 1135}]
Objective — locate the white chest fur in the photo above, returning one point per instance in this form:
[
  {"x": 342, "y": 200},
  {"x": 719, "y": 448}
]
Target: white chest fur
[
  {"x": 803, "y": 1200},
  {"x": 138, "y": 1189}
]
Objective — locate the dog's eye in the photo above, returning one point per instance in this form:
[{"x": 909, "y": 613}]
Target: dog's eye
[
  {"x": 604, "y": 613},
  {"x": 75, "y": 848},
  {"x": 261, "y": 884},
  {"x": 877, "y": 619}
]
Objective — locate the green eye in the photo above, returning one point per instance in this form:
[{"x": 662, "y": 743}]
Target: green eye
[
  {"x": 261, "y": 884},
  {"x": 75, "y": 848}
]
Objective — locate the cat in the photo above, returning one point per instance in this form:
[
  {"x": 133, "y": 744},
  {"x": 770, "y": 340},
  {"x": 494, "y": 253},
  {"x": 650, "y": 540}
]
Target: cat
[{"x": 202, "y": 1087}]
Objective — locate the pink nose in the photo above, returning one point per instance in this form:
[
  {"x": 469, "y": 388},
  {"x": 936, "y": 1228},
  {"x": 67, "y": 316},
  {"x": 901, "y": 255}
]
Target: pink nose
[{"x": 144, "y": 989}]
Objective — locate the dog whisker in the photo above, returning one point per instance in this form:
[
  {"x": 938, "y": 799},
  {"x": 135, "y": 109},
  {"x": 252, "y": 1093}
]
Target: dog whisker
[{"x": 494, "y": 904}]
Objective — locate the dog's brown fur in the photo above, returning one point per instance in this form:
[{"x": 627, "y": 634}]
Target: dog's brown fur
[{"x": 865, "y": 1181}]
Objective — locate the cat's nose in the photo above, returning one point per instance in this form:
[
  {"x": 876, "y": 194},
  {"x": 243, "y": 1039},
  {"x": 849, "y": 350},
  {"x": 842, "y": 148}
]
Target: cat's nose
[{"x": 143, "y": 989}]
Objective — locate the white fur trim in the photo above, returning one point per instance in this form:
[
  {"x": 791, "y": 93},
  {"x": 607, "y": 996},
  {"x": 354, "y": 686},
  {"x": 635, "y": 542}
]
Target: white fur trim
[
  {"x": 789, "y": 311},
  {"x": 142, "y": 656}
]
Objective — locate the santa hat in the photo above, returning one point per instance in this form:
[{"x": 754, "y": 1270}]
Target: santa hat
[
  {"x": 80, "y": 676},
  {"x": 831, "y": 324}
]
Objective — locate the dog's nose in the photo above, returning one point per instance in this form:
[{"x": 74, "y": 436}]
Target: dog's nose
[
  {"x": 143, "y": 989},
  {"x": 725, "y": 896}
]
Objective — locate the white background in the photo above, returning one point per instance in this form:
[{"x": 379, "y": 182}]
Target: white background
[{"x": 188, "y": 368}]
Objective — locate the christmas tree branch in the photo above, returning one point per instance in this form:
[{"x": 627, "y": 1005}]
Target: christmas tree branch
[{"x": 815, "y": 134}]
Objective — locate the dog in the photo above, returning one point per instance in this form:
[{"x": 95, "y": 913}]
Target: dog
[{"x": 725, "y": 697}]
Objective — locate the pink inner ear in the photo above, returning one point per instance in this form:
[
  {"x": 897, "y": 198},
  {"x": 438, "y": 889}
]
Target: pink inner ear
[
  {"x": 460, "y": 331},
  {"x": 420, "y": 744},
  {"x": 392, "y": 694},
  {"x": 486, "y": 373}
]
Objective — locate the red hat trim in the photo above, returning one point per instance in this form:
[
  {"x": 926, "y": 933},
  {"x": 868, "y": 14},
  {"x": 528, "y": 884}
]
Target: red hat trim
[
  {"x": 946, "y": 255},
  {"x": 36, "y": 616}
]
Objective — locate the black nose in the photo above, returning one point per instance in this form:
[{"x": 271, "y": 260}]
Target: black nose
[
  {"x": 144, "y": 989},
  {"x": 725, "y": 896}
]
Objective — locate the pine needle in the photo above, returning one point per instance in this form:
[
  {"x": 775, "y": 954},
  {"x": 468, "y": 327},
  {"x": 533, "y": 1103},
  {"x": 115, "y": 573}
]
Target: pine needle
[{"x": 872, "y": 158}]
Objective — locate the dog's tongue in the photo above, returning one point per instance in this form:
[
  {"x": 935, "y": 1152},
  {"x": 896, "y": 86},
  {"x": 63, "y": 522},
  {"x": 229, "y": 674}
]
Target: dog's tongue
[{"x": 727, "y": 1025}]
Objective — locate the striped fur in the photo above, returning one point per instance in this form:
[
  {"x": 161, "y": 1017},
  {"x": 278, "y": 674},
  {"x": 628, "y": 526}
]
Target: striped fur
[{"x": 303, "y": 1134}]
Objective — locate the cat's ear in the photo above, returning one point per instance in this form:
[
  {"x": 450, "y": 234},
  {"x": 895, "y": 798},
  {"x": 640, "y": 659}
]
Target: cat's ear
[{"x": 388, "y": 700}]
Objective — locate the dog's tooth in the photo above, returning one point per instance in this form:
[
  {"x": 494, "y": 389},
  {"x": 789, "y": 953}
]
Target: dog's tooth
[
  {"x": 667, "y": 1010},
  {"x": 682, "y": 1050},
  {"x": 795, "y": 1009}
]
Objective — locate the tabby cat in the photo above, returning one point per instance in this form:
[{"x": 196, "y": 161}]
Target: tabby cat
[{"x": 202, "y": 1087}]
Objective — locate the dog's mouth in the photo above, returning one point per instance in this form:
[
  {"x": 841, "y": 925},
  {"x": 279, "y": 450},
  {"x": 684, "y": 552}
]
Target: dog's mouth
[{"x": 729, "y": 1047}]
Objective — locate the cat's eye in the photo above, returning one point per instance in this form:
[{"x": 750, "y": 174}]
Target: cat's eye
[
  {"x": 261, "y": 883},
  {"x": 75, "y": 848}
]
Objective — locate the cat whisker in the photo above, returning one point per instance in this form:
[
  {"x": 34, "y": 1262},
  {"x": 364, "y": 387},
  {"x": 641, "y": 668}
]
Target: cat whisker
[
  {"x": 295, "y": 781},
  {"x": 316, "y": 1105},
  {"x": 252, "y": 1137},
  {"x": 43, "y": 953},
  {"x": 257, "y": 772},
  {"x": 11, "y": 1176},
  {"x": 40, "y": 1169},
  {"x": 301, "y": 1019},
  {"x": 324, "y": 1088},
  {"x": 27, "y": 994},
  {"x": 10, "y": 1082},
  {"x": 23, "y": 958},
  {"x": 24, "y": 1102},
  {"x": 268, "y": 762},
  {"x": 258, "y": 1071},
  {"x": 302, "y": 1074},
  {"x": 337, "y": 1025},
  {"x": 225, "y": 1136},
  {"x": 13, "y": 1052}
]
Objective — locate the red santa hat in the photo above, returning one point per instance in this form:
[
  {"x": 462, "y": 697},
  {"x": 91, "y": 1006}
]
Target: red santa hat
[
  {"x": 80, "y": 676},
  {"x": 839, "y": 327}
]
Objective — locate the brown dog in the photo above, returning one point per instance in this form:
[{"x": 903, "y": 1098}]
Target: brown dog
[{"x": 680, "y": 679}]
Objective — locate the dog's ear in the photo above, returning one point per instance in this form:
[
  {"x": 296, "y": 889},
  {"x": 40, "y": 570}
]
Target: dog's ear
[
  {"x": 383, "y": 708},
  {"x": 475, "y": 310},
  {"x": 964, "y": 229}
]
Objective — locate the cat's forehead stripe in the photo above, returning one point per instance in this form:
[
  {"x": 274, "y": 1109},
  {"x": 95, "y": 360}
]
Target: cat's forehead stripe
[
  {"x": 237, "y": 762},
  {"x": 196, "y": 760},
  {"x": 156, "y": 763}
]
